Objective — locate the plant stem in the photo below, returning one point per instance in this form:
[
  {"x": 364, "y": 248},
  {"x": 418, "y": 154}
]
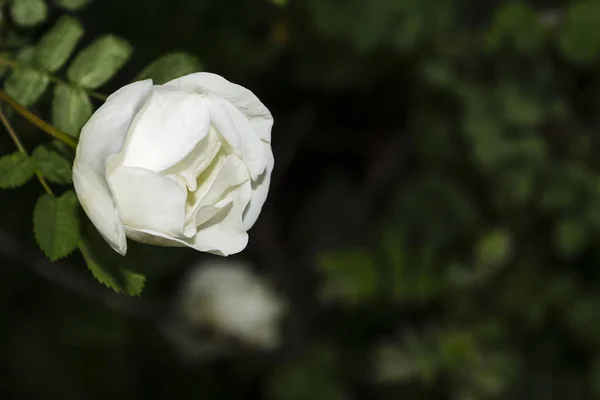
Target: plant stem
[
  {"x": 21, "y": 148},
  {"x": 53, "y": 78},
  {"x": 37, "y": 121}
]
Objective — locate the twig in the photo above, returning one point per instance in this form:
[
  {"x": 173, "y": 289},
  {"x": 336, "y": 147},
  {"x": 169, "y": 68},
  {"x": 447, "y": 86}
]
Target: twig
[
  {"x": 21, "y": 148},
  {"x": 67, "y": 277},
  {"x": 37, "y": 121}
]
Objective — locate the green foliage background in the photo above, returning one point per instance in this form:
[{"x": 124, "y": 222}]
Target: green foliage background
[{"x": 462, "y": 266}]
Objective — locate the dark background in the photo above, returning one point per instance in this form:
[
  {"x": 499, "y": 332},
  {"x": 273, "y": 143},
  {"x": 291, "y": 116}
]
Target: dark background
[{"x": 433, "y": 219}]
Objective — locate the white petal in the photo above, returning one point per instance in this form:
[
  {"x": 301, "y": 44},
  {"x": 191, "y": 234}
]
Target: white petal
[
  {"x": 225, "y": 236},
  {"x": 148, "y": 200},
  {"x": 225, "y": 173},
  {"x": 153, "y": 237},
  {"x": 222, "y": 235},
  {"x": 239, "y": 134},
  {"x": 197, "y": 161},
  {"x": 204, "y": 182},
  {"x": 203, "y": 214},
  {"x": 166, "y": 129},
  {"x": 233, "y": 173},
  {"x": 225, "y": 127},
  {"x": 242, "y": 98},
  {"x": 260, "y": 190},
  {"x": 101, "y": 137}
]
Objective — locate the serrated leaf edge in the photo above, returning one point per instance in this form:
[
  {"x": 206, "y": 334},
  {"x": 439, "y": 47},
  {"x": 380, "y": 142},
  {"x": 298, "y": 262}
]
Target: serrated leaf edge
[{"x": 37, "y": 239}]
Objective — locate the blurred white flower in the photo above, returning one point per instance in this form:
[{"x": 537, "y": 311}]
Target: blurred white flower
[{"x": 230, "y": 299}]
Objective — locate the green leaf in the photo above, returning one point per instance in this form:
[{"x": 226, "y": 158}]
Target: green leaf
[
  {"x": 4, "y": 68},
  {"x": 519, "y": 24},
  {"x": 62, "y": 149},
  {"x": 130, "y": 283},
  {"x": 170, "y": 66},
  {"x": 71, "y": 109},
  {"x": 319, "y": 366},
  {"x": 414, "y": 360},
  {"x": 15, "y": 39},
  {"x": 97, "y": 63},
  {"x": 28, "y": 12},
  {"x": 56, "y": 224},
  {"x": 134, "y": 283},
  {"x": 56, "y": 46},
  {"x": 107, "y": 266},
  {"x": 52, "y": 165},
  {"x": 493, "y": 250},
  {"x": 350, "y": 276},
  {"x": 26, "y": 55},
  {"x": 570, "y": 238},
  {"x": 26, "y": 85},
  {"x": 579, "y": 36},
  {"x": 15, "y": 170},
  {"x": 519, "y": 108},
  {"x": 72, "y": 5}
]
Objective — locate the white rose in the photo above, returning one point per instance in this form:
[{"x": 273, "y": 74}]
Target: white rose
[
  {"x": 228, "y": 297},
  {"x": 187, "y": 163}
]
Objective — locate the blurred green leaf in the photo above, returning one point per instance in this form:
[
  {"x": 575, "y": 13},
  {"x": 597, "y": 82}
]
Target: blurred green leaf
[
  {"x": 557, "y": 195},
  {"x": 318, "y": 367},
  {"x": 72, "y": 5},
  {"x": 439, "y": 73},
  {"x": 570, "y": 237},
  {"x": 516, "y": 23},
  {"x": 56, "y": 224},
  {"x": 170, "y": 66},
  {"x": 55, "y": 47},
  {"x": 484, "y": 132},
  {"x": 15, "y": 170},
  {"x": 412, "y": 276},
  {"x": 413, "y": 358},
  {"x": 26, "y": 85},
  {"x": 52, "y": 165},
  {"x": 490, "y": 374},
  {"x": 579, "y": 35},
  {"x": 397, "y": 256},
  {"x": 516, "y": 188},
  {"x": 279, "y": 3},
  {"x": 519, "y": 107},
  {"x": 4, "y": 68},
  {"x": 71, "y": 109},
  {"x": 100, "y": 61},
  {"x": 28, "y": 13},
  {"x": 26, "y": 54},
  {"x": 457, "y": 347},
  {"x": 435, "y": 207},
  {"x": 350, "y": 276},
  {"x": 594, "y": 376},
  {"x": 493, "y": 250},
  {"x": 584, "y": 320},
  {"x": 392, "y": 364}
]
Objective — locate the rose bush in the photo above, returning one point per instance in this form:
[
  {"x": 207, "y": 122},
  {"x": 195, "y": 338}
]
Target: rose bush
[{"x": 187, "y": 163}]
